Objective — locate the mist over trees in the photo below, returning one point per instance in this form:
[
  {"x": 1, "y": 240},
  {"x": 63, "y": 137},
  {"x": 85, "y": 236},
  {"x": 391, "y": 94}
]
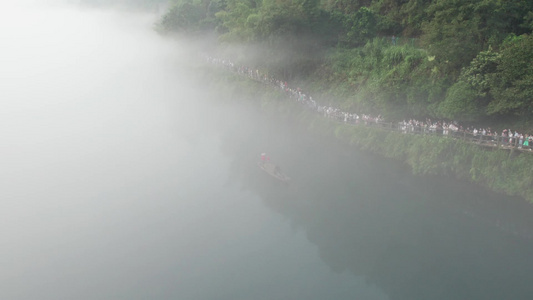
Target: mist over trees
[
  {"x": 142, "y": 4},
  {"x": 468, "y": 60}
]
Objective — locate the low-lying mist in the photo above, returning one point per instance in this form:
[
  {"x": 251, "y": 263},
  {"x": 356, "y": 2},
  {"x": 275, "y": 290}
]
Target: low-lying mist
[{"x": 101, "y": 127}]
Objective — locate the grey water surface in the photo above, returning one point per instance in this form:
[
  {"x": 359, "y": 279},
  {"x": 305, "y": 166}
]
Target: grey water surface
[{"x": 123, "y": 176}]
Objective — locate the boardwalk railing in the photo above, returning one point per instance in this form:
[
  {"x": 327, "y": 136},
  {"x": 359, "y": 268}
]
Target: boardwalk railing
[
  {"x": 487, "y": 140},
  {"x": 492, "y": 141}
]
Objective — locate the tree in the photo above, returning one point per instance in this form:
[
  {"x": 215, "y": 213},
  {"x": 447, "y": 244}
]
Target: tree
[
  {"x": 236, "y": 21},
  {"x": 360, "y": 26},
  {"x": 456, "y": 31},
  {"x": 460, "y": 103},
  {"x": 188, "y": 16},
  {"x": 512, "y": 86}
]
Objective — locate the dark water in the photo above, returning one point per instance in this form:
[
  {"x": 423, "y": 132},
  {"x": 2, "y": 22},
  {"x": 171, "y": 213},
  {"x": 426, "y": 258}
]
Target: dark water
[
  {"x": 411, "y": 237},
  {"x": 125, "y": 178}
]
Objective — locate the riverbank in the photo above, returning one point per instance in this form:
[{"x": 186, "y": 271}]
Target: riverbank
[
  {"x": 504, "y": 171},
  {"x": 500, "y": 170}
]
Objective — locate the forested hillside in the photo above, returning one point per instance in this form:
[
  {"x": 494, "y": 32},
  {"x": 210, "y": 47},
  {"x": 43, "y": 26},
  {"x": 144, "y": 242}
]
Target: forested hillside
[{"x": 466, "y": 60}]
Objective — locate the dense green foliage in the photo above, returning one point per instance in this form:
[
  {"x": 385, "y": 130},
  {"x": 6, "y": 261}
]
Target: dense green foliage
[{"x": 468, "y": 60}]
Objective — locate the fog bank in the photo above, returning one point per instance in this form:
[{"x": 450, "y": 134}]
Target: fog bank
[
  {"x": 92, "y": 107},
  {"x": 113, "y": 182}
]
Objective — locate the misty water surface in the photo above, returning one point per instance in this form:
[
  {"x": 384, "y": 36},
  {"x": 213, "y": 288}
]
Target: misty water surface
[
  {"x": 122, "y": 177},
  {"x": 113, "y": 182}
]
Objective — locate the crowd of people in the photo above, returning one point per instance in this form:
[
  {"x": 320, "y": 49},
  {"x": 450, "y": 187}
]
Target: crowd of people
[{"x": 507, "y": 137}]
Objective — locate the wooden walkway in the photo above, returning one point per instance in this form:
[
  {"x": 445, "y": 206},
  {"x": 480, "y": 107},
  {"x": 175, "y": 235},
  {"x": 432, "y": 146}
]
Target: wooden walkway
[{"x": 487, "y": 141}]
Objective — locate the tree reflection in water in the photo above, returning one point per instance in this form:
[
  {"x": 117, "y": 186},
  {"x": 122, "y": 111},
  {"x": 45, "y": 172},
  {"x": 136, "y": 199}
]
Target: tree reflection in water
[{"x": 414, "y": 237}]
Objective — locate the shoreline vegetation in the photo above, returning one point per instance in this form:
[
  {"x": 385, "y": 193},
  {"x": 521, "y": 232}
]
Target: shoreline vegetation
[
  {"x": 467, "y": 60},
  {"x": 501, "y": 170},
  {"x": 464, "y": 61}
]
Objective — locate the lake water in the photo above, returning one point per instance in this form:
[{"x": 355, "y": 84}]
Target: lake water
[{"x": 123, "y": 177}]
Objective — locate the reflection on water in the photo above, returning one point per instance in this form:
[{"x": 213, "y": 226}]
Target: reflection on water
[{"x": 415, "y": 238}]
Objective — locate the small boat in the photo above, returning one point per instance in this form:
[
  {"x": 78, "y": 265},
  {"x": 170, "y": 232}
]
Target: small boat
[{"x": 273, "y": 170}]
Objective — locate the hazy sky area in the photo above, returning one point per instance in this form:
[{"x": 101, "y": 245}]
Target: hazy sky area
[{"x": 123, "y": 176}]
